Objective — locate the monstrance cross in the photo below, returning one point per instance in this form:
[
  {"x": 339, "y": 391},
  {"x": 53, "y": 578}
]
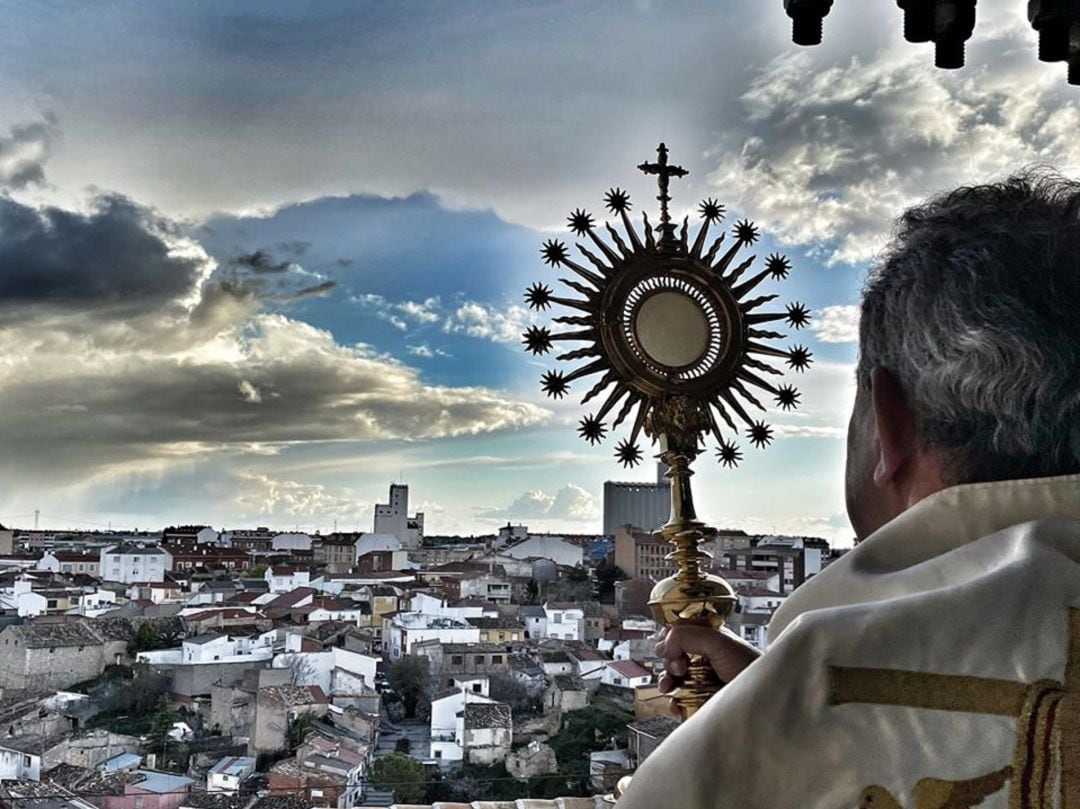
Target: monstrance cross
[{"x": 664, "y": 172}]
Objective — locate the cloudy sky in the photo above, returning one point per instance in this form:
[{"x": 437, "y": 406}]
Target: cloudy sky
[{"x": 258, "y": 260}]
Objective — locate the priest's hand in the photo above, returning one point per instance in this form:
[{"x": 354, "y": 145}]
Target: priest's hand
[{"x": 727, "y": 652}]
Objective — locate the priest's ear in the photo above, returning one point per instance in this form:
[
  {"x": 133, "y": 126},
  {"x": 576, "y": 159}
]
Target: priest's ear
[{"x": 898, "y": 441}]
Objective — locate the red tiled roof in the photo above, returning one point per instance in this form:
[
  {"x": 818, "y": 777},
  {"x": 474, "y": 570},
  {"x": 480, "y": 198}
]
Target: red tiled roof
[
  {"x": 629, "y": 668},
  {"x": 291, "y": 598}
]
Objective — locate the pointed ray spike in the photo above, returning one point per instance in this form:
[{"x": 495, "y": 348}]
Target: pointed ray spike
[
  {"x": 742, "y": 289},
  {"x": 779, "y": 266},
  {"x": 711, "y": 210},
  {"x": 574, "y": 320},
  {"x": 554, "y": 252},
  {"x": 738, "y": 271},
  {"x": 719, "y": 407},
  {"x": 615, "y": 237},
  {"x": 581, "y": 221},
  {"x": 624, "y": 411},
  {"x": 612, "y": 256},
  {"x": 761, "y": 434},
  {"x": 787, "y": 397},
  {"x": 584, "y": 306},
  {"x": 754, "y": 379},
  {"x": 594, "y": 367},
  {"x": 584, "y": 334},
  {"x": 650, "y": 242},
  {"x": 798, "y": 315},
  {"x": 639, "y": 419},
  {"x": 754, "y": 320},
  {"x": 761, "y": 334},
  {"x": 754, "y": 303},
  {"x": 746, "y": 232},
  {"x": 596, "y": 262},
  {"x": 554, "y": 384},
  {"x": 537, "y": 339},
  {"x": 769, "y": 351},
  {"x": 728, "y": 454},
  {"x": 631, "y": 232},
  {"x": 799, "y": 358},
  {"x": 592, "y": 429},
  {"x": 713, "y": 250},
  {"x": 580, "y": 288},
  {"x": 580, "y": 353},
  {"x": 746, "y": 394},
  {"x": 538, "y": 296},
  {"x": 721, "y": 266},
  {"x": 605, "y": 380},
  {"x": 617, "y": 201},
  {"x": 628, "y": 454},
  {"x": 612, "y": 399},
  {"x": 733, "y": 403},
  {"x": 683, "y": 232},
  {"x": 750, "y": 362},
  {"x": 699, "y": 242},
  {"x": 591, "y": 277},
  {"x": 714, "y": 427}
]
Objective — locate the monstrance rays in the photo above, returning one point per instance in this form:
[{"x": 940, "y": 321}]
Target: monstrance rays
[{"x": 658, "y": 313}]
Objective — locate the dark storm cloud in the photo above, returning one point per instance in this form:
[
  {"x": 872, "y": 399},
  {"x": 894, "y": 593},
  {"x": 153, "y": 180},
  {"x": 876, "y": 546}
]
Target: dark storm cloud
[
  {"x": 262, "y": 262},
  {"x": 280, "y": 381},
  {"x": 23, "y": 153},
  {"x": 316, "y": 289},
  {"x": 115, "y": 257}
]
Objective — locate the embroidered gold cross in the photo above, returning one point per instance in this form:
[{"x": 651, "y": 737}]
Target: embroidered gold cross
[{"x": 1047, "y": 730}]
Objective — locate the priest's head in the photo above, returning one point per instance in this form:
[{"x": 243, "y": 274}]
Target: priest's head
[{"x": 969, "y": 347}]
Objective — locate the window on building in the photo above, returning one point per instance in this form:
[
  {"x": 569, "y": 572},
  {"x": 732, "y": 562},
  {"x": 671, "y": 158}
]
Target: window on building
[
  {"x": 457, "y": 660},
  {"x": 478, "y": 660},
  {"x": 476, "y": 688},
  {"x": 27, "y": 762},
  {"x": 497, "y": 659},
  {"x": 556, "y": 618}
]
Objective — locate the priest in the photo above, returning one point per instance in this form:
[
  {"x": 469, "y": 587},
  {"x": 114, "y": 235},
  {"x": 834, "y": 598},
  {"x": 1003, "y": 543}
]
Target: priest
[{"x": 937, "y": 664}]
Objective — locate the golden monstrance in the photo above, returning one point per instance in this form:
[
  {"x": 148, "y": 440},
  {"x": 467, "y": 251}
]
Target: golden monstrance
[{"x": 683, "y": 348}]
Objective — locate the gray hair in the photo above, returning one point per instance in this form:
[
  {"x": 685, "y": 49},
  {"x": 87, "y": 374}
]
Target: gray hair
[{"x": 975, "y": 310}]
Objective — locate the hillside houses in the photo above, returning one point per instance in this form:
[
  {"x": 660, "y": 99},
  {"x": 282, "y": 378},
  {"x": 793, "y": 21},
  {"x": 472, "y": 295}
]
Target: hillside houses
[{"x": 279, "y": 655}]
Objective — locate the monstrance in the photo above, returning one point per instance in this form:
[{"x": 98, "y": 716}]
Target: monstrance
[{"x": 681, "y": 346}]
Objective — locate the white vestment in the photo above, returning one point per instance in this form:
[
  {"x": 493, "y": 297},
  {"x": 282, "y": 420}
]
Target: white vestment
[{"x": 976, "y": 582}]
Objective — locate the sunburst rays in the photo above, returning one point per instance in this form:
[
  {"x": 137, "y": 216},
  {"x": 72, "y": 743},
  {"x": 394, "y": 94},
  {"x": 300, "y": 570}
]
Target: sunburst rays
[{"x": 628, "y": 388}]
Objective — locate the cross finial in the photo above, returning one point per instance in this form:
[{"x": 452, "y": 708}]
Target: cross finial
[{"x": 664, "y": 173}]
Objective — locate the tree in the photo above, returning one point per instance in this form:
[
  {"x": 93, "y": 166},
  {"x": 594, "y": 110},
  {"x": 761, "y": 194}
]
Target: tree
[
  {"x": 532, "y": 592},
  {"x": 401, "y": 774},
  {"x": 258, "y": 571},
  {"x": 146, "y": 637},
  {"x": 299, "y": 728},
  {"x": 504, "y": 688},
  {"x": 607, "y": 573},
  {"x": 160, "y": 724},
  {"x": 410, "y": 678},
  {"x": 567, "y": 589},
  {"x": 301, "y": 671}
]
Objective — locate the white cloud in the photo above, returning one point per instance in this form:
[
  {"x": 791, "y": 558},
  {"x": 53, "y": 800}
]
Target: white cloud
[
  {"x": 487, "y": 322},
  {"x": 836, "y": 324},
  {"x": 832, "y": 153},
  {"x": 426, "y": 311},
  {"x": 249, "y": 393},
  {"x": 426, "y": 351},
  {"x": 260, "y": 495},
  {"x": 571, "y": 502}
]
